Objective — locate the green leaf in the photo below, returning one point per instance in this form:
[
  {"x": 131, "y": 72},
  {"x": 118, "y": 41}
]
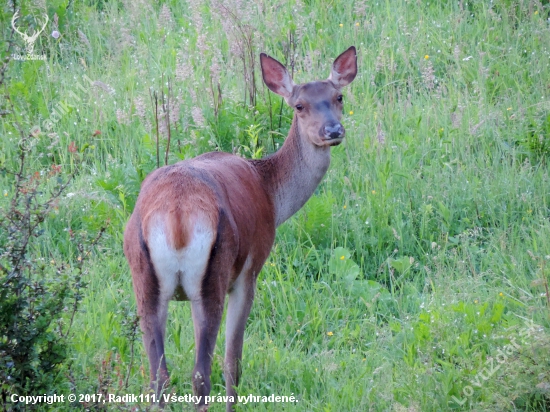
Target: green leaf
[
  {"x": 341, "y": 265},
  {"x": 403, "y": 264}
]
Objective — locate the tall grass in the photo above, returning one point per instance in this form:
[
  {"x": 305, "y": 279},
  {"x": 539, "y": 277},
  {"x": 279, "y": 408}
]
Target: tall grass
[{"x": 422, "y": 254}]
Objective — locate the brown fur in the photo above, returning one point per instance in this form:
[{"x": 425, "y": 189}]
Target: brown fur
[{"x": 240, "y": 202}]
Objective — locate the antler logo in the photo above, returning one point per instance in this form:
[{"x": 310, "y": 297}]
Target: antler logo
[{"x": 28, "y": 39}]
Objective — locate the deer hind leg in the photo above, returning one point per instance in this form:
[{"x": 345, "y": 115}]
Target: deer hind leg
[
  {"x": 207, "y": 324},
  {"x": 152, "y": 305},
  {"x": 207, "y": 308},
  {"x": 166, "y": 271},
  {"x": 153, "y": 326}
]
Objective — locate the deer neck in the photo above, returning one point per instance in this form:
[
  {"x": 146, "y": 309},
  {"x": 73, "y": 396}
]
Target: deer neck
[{"x": 292, "y": 174}]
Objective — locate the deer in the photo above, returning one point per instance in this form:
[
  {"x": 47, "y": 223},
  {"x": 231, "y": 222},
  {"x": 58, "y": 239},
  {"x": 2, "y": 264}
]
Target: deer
[
  {"x": 28, "y": 39},
  {"x": 203, "y": 228}
]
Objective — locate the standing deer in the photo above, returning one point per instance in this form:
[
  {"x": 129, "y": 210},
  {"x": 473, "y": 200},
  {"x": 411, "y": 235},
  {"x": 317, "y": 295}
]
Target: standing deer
[{"x": 204, "y": 227}]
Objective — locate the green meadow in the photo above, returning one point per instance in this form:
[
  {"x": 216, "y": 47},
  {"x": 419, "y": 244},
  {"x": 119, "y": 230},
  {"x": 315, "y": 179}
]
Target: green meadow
[{"x": 416, "y": 277}]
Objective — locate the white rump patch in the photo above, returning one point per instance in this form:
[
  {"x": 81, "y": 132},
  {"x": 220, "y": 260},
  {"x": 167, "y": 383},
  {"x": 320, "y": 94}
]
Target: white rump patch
[{"x": 183, "y": 267}]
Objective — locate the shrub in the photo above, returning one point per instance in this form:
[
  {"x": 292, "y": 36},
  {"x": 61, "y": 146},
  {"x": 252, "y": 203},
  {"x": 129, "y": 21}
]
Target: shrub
[{"x": 38, "y": 297}]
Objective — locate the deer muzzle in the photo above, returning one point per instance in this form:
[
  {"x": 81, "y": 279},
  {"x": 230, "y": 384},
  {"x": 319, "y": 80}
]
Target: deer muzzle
[{"x": 334, "y": 133}]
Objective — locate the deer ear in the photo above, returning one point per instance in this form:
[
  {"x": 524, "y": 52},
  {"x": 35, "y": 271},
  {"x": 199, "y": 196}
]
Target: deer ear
[
  {"x": 344, "y": 68},
  {"x": 276, "y": 76}
]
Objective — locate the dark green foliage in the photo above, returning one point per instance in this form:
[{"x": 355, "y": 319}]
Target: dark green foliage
[
  {"x": 538, "y": 137},
  {"x": 38, "y": 298}
]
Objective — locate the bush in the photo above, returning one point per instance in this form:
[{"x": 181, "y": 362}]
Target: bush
[{"x": 38, "y": 297}]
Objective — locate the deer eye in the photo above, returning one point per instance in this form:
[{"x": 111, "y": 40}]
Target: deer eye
[
  {"x": 299, "y": 107},
  {"x": 340, "y": 98}
]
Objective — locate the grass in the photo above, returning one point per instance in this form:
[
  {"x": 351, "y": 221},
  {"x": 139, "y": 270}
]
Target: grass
[{"x": 423, "y": 253}]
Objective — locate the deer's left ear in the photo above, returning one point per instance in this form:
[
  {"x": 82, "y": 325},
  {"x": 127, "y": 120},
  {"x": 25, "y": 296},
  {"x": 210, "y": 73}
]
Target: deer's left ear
[{"x": 344, "y": 68}]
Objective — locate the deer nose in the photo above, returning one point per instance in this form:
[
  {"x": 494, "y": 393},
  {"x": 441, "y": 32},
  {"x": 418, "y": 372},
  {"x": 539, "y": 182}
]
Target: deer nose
[{"x": 334, "y": 131}]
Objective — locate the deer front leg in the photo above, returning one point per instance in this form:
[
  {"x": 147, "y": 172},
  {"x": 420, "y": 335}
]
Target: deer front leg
[{"x": 238, "y": 309}]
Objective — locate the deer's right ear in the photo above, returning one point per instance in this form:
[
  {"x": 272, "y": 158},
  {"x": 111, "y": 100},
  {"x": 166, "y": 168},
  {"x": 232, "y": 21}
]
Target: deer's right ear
[{"x": 276, "y": 76}]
